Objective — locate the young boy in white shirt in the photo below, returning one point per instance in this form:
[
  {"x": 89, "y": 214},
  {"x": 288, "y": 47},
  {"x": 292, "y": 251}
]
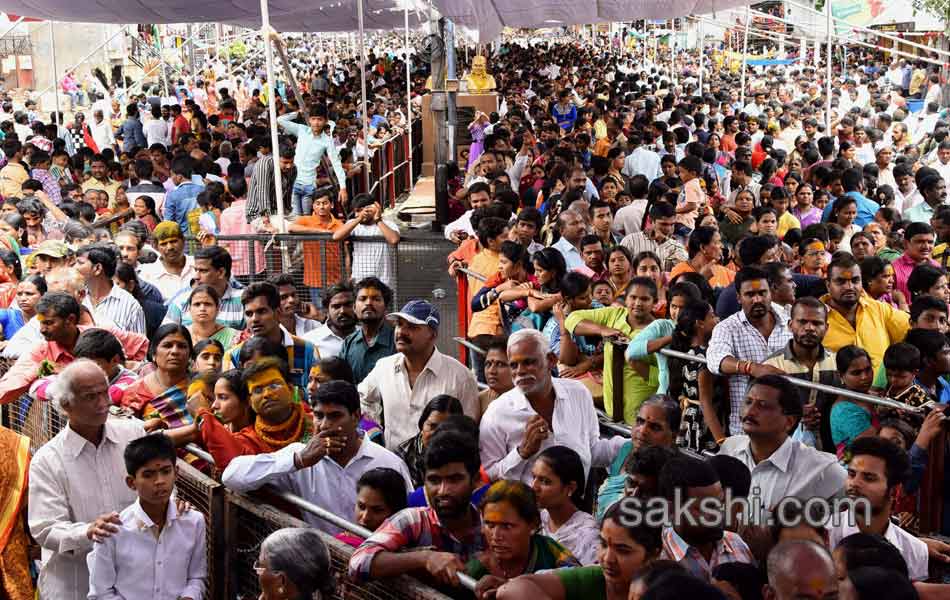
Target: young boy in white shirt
[{"x": 158, "y": 553}]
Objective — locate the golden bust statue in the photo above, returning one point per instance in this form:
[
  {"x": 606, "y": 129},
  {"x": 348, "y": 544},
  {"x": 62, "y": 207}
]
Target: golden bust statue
[{"x": 479, "y": 81}]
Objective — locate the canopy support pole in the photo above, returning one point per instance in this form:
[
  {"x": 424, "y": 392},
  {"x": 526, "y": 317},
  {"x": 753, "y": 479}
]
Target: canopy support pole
[
  {"x": 363, "y": 115},
  {"x": 161, "y": 57},
  {"x": 52, "y": 51},
  {"x": 673, "y": 52},
  {"x": 702, "y": 52},
  {"x": 450, "y": 75},
  {"x": 827, "y": 70},
  {"x": 272, "y": 110},
  {"x": 409, "y": 97},
  {"x": 745, "y": 52}
]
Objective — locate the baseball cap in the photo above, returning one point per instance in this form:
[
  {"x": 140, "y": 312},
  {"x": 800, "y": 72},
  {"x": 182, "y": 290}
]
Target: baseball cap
[
  {"x": 418, "y": 312},
  {"x": 52, "y": 248}
]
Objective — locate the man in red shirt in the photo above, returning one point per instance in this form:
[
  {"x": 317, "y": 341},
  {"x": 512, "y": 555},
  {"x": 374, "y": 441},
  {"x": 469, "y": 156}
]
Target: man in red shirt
[{"x": 180, "y": 124}]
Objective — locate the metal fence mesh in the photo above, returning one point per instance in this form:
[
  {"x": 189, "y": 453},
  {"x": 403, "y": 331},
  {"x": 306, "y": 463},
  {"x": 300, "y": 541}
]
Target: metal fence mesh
[
  {"x": 415, "y": 268},
  {"x": 252, "y": 520},
  {"x": 207, "y": 497}
]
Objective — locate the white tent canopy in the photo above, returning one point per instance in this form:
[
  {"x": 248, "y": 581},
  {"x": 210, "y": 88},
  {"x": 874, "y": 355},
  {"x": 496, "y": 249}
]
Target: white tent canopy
[
  {"x": 285, "y": 15},
  {"x": 489, "y": 17}
]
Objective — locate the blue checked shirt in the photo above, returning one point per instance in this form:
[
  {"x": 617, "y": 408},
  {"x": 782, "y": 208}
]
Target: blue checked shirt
[
  {"x": 310, "y": 150},
  {"x": 230, "y": 309}
]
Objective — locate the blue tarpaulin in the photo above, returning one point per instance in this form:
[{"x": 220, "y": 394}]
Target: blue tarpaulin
[{"x": 768, "y": 62}]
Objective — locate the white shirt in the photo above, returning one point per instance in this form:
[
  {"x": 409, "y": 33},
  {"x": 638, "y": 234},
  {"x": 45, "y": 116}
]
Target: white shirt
[
  {"x": 574, "y": 425},
  {"x": 72, "y": 483},
  {"x": 327, "y": 342},
  {"x": 463, "y": 223},
  {"x": 158, "y": 131},
  {"x": 23, "y": 340},
  {"x": 374, "y": 258},
  {"x": 326, "y": 484},
  {"x": 642, "y": 162},
  {"x": 387, "y": 398},
  {"x": 579, "y": 534},
  {"x": 911, "y": 548},
  {"x": 22, "y": 131},
  {"x": 168, "y": 283},
  {"x": 793, "y": 470},
  {"x": 943, "y": 169},
  {"x": 102, "y": 134},
  {"x": 629, "y": 218},
  {"x": 572, "y": 256},
  {"x": 119, "y": 307},
  {"x": 304, "y": 325},
  {"x": 141, "y": 562}
]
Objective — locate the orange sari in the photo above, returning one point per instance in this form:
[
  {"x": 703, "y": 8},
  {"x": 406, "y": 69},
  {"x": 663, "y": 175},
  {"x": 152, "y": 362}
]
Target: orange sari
[{"x": 15, "y": 580}]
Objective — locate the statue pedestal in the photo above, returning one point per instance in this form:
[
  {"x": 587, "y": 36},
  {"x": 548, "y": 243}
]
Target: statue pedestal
[{"x": 466, "y": 105}]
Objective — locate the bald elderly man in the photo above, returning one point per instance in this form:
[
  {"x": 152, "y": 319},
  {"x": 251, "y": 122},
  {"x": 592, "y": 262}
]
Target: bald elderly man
[{"x": 71, "y": 508}]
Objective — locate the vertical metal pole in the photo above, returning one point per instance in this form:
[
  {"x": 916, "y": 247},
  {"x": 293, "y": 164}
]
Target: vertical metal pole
[
  {"x": 702, "y": 52},
  {"x": 673, "y": 52},
  {"x": 52, "y": 51},
  {"x": 450, "y": 74},
  {"x": 745, "y": 51},
  {"x": 161, "y": 57},
  {"x": 827, "y": 69},
  {"x": 272, "y": 108},
  {"x": 408, "y": 98},
  {"x": 359, "y": 16}
]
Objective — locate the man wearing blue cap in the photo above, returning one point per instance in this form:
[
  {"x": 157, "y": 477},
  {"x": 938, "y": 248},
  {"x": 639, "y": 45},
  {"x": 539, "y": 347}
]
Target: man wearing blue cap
[{"x": 399, "y": 386}]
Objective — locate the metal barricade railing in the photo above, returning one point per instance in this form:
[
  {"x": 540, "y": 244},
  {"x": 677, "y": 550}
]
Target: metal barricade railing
[
  {"x": 828, "y": 389},
  {"x": 416, "y": 267},
  {"x": 206, "y": 495},
  {"x": 201, "y": 482},
  {"x": 618, "y": 392},
  {"x": 251, "y": 519},
  {"x": 235, "y": 524},
  {"x": 389, "y": 166},
  {"x": 362, "y": 532}
]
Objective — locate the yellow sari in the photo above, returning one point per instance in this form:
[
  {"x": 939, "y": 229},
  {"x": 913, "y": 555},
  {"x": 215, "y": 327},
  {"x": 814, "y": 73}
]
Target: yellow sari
[{"x": 15, "y": 580}]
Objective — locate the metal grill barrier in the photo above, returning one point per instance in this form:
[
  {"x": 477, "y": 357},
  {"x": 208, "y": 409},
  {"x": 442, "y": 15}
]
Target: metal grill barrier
[
  {"x": 390, "y": 166},
  {"x": 416, "y": 267},
  {"x": 235, "y": 524}
]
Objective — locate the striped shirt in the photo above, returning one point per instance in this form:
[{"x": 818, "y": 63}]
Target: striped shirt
[
  {"x": 230, "y": 309},
  {"x": 415, "y": 528},
  {"x": 824, "y": 371},
  {"x": 738, "y": 338},
  {"x": 670, "y": 252},
  {"x": 120, "y": 307},
  {"x": 731, "y": 548},
  {"x": 301, "y": 354}
]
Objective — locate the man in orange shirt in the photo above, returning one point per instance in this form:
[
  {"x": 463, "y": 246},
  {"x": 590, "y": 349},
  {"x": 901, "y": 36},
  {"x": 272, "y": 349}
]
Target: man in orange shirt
[
  {"x": 728, "y": 140},
  {"x": 321, "y": 221}
]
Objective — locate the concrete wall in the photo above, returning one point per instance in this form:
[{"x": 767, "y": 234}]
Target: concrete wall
[{"x": 73, "y": 42}]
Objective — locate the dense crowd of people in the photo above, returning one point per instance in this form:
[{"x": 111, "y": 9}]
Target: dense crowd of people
[{"x": 607, "y": 211}]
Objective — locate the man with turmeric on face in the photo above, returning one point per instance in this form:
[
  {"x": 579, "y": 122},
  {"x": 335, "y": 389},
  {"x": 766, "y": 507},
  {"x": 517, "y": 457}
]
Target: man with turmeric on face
[
  {"x": 325, "y": 470},
  {"x": 281, "y": 418}
]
